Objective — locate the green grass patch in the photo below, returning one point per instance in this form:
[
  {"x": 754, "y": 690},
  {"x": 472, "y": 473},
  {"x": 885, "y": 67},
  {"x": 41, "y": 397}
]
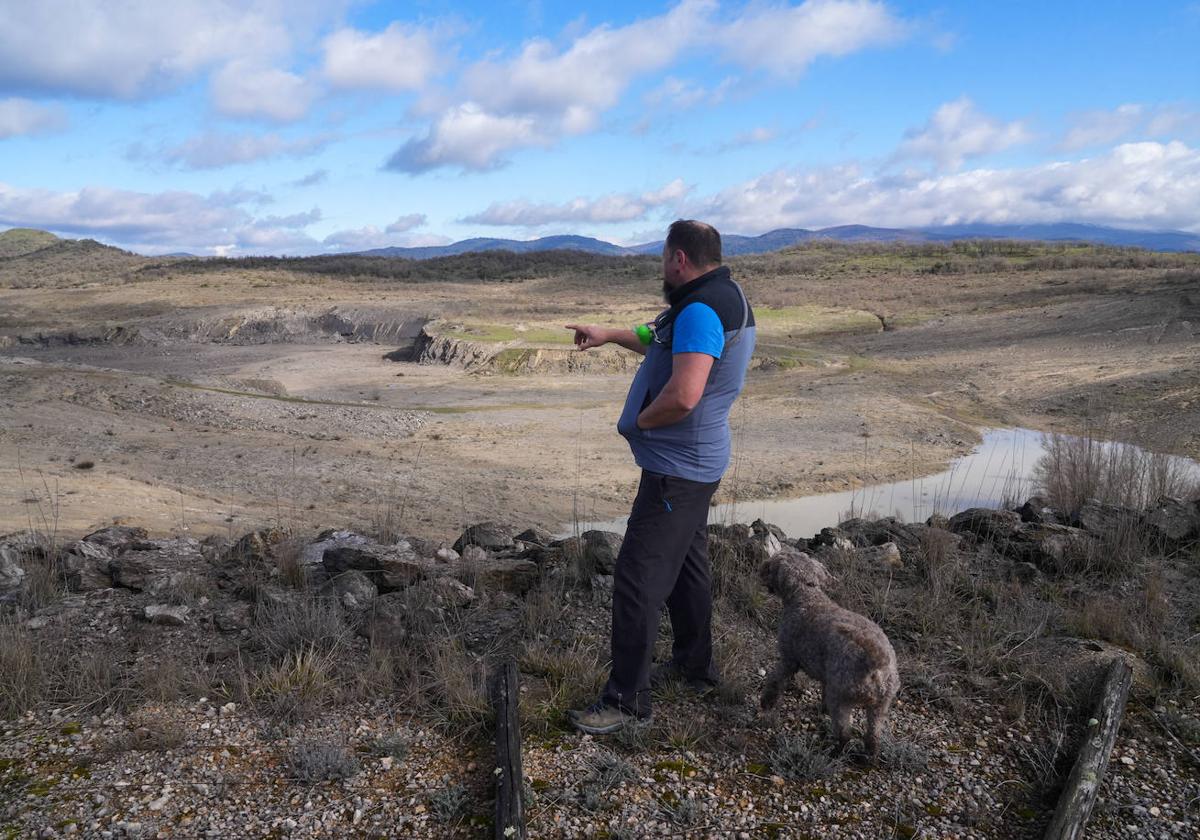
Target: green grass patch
[
  {"x": 501, "y": 333},
  {"x": 795, "y": 321}
]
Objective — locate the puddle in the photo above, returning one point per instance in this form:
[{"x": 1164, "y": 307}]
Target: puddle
[{"x": 1000, "y": 470}]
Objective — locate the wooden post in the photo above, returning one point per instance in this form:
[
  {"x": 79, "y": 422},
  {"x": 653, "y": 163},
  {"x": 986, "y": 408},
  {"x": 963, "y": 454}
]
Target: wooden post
[
  {"x": 1078, "y": 797},
  {"x": 510, "y": 810}
]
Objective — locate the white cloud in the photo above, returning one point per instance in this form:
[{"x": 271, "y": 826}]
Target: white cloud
[
  {"x": 957, "y": 131},
  {"x": 617, "y": 207},
  {"x": 1143, "y": 185},
  {"x": 683, "y": 94},
  {"x": 546, "y": 91},
  {"x": 155, "y": 223},
  {"x": 369, "y": 236},
  {"x": 1144, "y": 122},
  {"x": 406, "y": 223},
  {"x": 21, "y": 116},
  {"x": 215, "y": 150},
  {"x": 783, "y": 40},
  {"x": 129, "y": 49},
  {"x": 469, "y": 137},
  {"x": 754, "y": 137},
  {"x": 243, "y": 88},
  {"x": 400, "y": 58},
  {"x": 317, "y": 176}
]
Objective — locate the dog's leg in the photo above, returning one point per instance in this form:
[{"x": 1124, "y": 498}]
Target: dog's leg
[
  {"x": 877, "y": 717},
  {"x": 783, "y": 671},
  {"x": 839, "y": 714}
]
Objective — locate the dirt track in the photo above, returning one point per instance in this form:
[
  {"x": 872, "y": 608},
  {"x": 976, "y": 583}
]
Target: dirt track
[{"x": 196, "y": 417}]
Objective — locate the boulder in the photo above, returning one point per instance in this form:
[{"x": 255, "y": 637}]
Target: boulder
[
  {"x": 600, "y": 550},
  {"x": 985, "y": 523},
  {"x": 758, "y": 528},
  {"x": 535, "y": 536},
  {"x": 389, "y": 567},
  {"x": 1100, "y": 518},
  {"x": 85, "y": 566},
  {"x": 12, "y": 572},
  {"x": 256, "y": 547},
  {"x": 734, "y": 531},
  {"x": 1038, "y": 511},
  {"x": 314, "y": 553},
  {"x": 135, "y": 571},
  {"x": 446, "y": 555},
  {"x": 1050, "y": 547},
  {"x": 514, "y": 575},
  {"x": 1171, "y": 521},
  {"x": 886, "y": 556},
  {"x": 447, "y": 592},
  {"x": 889, "y": 529},
  {"x": 117, "y": 538},
  {"x": 489, "y": 535},
  {"x": 834, "y": 538},
  {"x": 166, "y": 614},
  {"x": 354, "y": 589}
]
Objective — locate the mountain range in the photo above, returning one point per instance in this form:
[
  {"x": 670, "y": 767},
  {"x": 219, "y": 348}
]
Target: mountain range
[{"x": 733, "y": 244}]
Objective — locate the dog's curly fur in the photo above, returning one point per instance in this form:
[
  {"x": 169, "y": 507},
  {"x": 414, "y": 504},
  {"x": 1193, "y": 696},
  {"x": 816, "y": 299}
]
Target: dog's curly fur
[{"x": 846, "y": 652}]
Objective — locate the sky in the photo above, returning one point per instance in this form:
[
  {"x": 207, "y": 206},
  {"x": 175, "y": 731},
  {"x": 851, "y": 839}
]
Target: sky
[{"x": 321, "y": 126}]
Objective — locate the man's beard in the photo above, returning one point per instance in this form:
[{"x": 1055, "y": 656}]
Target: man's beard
[{"x": 666, "y": 291}]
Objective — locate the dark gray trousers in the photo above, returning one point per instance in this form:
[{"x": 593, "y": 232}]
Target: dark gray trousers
[{"x": 663, "y": 559}]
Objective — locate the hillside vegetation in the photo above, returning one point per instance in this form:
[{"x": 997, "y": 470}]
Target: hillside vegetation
[{"x": 19, "y": 241}]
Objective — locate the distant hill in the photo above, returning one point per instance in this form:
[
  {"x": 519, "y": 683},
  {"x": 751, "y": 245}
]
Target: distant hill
[
  {"x": 68, "y": 262},
  {"x": 517, "y": 246},
  {"x": 17, "y": 241},
  {"x": 734, "y": 244}
]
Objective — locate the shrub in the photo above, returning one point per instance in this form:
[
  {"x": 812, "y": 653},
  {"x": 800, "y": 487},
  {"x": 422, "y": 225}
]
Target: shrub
[
  {"x": 312, "y": 762},
  {"x": 295, "y": 625},
  {"x": 802, "y": 758},
  {"x": 450, "y": 804}
]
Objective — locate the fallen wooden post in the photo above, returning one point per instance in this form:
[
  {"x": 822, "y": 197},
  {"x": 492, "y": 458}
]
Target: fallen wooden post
[
  {"x": 1079, "y": 796},
  {"x": 510, "y": 812}
]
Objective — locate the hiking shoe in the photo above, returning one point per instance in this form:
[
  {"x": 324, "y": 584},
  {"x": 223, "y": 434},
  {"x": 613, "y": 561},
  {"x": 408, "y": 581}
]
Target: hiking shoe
[
  {"x": 603, "y": 719},
  {"x": 669, "y": 672}
]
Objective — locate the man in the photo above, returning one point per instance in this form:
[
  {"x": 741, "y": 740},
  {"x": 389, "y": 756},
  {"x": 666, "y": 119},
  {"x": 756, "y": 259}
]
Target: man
[{"x": 676, "y": 419}]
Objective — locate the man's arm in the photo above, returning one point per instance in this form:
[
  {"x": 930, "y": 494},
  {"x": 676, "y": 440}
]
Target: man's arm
[
  {"x": 588, "y": 336},
  {"x": 689, "y": 375}
]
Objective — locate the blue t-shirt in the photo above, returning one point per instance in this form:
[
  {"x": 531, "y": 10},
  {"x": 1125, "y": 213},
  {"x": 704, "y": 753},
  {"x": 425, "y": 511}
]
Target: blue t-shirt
[{"x": 698, "y": 329}]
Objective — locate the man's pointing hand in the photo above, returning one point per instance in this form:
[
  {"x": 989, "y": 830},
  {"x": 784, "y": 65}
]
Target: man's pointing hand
[{"x": 588, "y": 336}]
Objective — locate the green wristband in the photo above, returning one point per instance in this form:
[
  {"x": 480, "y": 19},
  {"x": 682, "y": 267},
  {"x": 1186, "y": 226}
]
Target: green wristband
[{"x": 644, "y": 333}]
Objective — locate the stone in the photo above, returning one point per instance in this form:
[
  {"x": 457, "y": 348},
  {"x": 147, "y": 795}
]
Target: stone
[
  {"x": 535, "y": 536},
  {"x": 389, "y": 567},
  {"x": 117, "y": 538},
  {"x": 134, "y": 571},
  {"x": 166, "y": 614},
  {"x": 769, "y": 542},
  {"x": 314, "y": 553},
  {"x": 12, "y": 573},
  {"x": 446, "y": 591},
  {"x": 1171, "y": 521},
  {"x": 735, "y": 531},
  {"x": 446, "y": 555},
  {"x": 489, "y": 535},
  {"x": 1038, "y": 511},
  {"x": 256, "y": 547},
  {"x": 506, "y": 574},
  {"x": 758, "y": 528},
  {"x": 354, "y": 589},
  {"x": 1050, "y": 547},
  {"x": 886, "y": 556},
  {"x": 1100, "y": 518},
  {"x": 984, "y": 523},
  {"x": 600, "y": 550},
  {"x": 85, "y": 566}
]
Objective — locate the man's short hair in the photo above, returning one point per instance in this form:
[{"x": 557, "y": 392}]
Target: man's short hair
[{"x": 699, "y": 241}]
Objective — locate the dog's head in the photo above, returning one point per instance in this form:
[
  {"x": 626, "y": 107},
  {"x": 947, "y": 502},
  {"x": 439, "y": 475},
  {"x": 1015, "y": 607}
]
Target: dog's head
[{"x": 790, "y": 571}]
